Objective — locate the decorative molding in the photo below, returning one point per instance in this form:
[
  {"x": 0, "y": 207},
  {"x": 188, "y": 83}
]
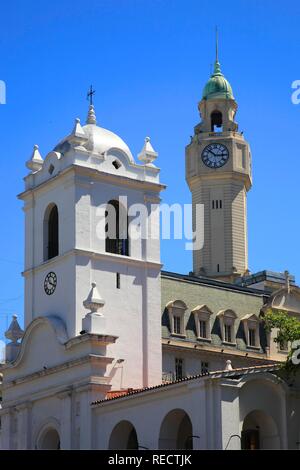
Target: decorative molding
[
  {"x": 111, "y": 257},
  {"x": 60, "y": 367}
]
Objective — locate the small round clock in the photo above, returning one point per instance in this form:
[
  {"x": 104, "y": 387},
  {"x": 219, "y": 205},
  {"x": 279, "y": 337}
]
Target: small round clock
[
  {"x": 50, "y": 283},
  {"x": 215, "y": 155}
]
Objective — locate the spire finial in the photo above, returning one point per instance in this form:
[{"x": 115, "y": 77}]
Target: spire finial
[
  {"x": 90, "y": 95},
  {"x": 91, "y": 117},
  {"x": 217, "y": 45},
  {"x": 217, "y": 68}
]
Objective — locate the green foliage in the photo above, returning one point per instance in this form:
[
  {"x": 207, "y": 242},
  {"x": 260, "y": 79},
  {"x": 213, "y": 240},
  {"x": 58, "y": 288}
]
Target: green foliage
[
  {"x": 288, "y": 331},
  {"x": 289, "y": 327}
]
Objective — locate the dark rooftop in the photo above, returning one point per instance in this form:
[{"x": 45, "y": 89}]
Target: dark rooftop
[{"x": 214, "y": 283}]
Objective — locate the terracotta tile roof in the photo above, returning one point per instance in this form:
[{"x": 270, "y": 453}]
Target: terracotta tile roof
[
  {"x": 119, "y": 393},
  {"x": 217, "y": 374}
]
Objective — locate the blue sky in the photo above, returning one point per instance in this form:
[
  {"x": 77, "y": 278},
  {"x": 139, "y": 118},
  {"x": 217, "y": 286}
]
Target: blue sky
[{"x": 148, "y": 61}]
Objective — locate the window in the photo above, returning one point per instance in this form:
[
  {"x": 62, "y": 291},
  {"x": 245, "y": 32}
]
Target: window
[
  {"x": 177, "y": 325},
  {"x": 202, "y": 320},
  {"x": 51, "y": 236},
  {"x": 217, "y": 204},
  {"x": 227, "y": 333},
  {"x": 51, "y": 169},
  {"x": 118, "y": 281},
  {"x": 178, "y": 368},
  {"x": 116, "y": 164},
  {"x": 251, "y": 330},
  {"x": 202, "y": 324},
  {"x": 176, "y": 310},
  {"x": 204, "y": 367},
  {"x": 252, "y": 339},
  {"x": 227, "y": 325},
  {"x": 116, "y": 229}
]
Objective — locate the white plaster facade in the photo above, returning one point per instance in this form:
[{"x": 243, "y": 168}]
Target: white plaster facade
[{"x": 217, "y": 405}]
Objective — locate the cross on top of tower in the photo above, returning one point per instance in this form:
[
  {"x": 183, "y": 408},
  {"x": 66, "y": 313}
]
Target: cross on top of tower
[
  {"x": 91, "y": 118},
  {"x": 90, "y": 95}
]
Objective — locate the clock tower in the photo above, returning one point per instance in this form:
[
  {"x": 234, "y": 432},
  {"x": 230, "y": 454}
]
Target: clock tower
[{"x": 218, "y": 172}]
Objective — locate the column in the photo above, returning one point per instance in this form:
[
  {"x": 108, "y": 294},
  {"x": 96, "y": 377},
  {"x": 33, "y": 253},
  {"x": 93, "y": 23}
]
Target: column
[
  {"x": 5, "y": 428},
  {"x": 85, "y": 417},
  {"x": 24, "y": 425},
  {"x": 66, "y": 419}
]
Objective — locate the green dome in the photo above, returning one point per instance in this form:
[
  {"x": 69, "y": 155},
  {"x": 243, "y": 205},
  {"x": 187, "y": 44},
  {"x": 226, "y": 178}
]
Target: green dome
[{"x": 217, "y": 86}]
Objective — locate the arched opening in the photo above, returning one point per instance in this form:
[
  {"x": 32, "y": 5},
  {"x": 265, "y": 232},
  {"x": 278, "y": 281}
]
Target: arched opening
[
  {"x": 176, "y": 431},
  {"x": 51, "y": 235},
  {"x": 216, "y": 121},
  {"x": 116, "y": 229},
  {"x": 259, "y": 432},
  {"x": 123, "y": 437},
  {"x": 49, "y": 440}
]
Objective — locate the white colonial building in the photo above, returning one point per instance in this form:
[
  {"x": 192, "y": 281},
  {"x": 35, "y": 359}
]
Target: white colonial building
[{"x": 117, "y": 354}]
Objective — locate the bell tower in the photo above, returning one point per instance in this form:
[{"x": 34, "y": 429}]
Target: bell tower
[
  {"x": 218, "y": 172},
  {"x": 82, "y": 228}
]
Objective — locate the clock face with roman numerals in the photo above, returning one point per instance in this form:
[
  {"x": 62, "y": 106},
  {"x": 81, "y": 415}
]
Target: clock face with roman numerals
[
  {"x": 50, "y": 283},
  {"x": 215, "y": 155}
]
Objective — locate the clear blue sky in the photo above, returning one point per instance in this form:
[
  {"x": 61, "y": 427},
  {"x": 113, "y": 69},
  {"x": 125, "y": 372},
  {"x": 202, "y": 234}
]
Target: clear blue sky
[{"x": 149, "y": 60}]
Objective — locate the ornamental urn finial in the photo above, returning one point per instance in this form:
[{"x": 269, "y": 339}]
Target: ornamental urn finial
[
  {"x": 147, "y": 154},
  {"x": 93, "y": 302}
]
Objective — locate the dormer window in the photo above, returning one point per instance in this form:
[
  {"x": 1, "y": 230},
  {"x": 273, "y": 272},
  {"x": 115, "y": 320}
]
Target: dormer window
[
  {"x": 177, "y": 325},
  {"x": 202, "y": 320},
  {"x": 251, "y": 330},
  {"x": 202, "y": 329},
  {"x": 227, "y": 326},
  {"x": 227, "y": 333},
  {"x": 176, "y": 310}
]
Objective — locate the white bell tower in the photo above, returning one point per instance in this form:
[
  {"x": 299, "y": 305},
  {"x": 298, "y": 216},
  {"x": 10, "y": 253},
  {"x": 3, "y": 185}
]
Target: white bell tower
[{"x": 67, "y": 252}]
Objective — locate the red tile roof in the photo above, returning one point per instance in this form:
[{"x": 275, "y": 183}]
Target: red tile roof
[{"x": 114, "y": 395}]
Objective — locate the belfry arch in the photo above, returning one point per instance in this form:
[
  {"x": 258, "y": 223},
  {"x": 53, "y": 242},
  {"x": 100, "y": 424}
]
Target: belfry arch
[
  {"x": 51, "y": 232},
  {"x": 216, "y": 119}
]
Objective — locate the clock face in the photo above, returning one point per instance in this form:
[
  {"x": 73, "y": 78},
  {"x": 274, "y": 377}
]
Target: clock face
[
  {"x": 215, "y": 155},
  {"x": 50, "y": 283}
]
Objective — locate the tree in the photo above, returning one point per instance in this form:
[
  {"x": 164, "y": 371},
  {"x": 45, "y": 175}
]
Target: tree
[{"x": 288, "y": 332}]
